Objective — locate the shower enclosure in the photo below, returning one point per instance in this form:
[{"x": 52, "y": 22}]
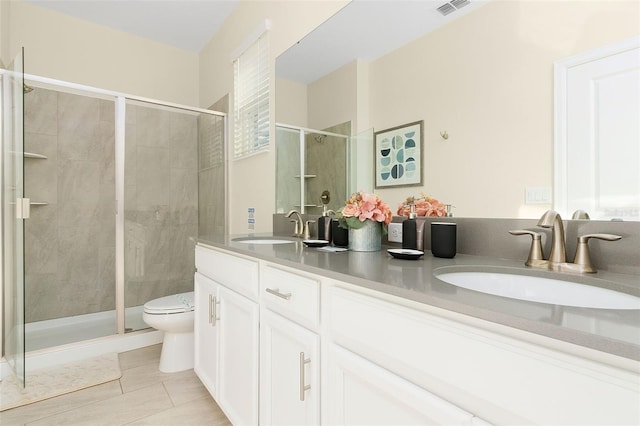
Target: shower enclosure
[
  {"x": 312, "y": 168},
  {"x": 13, "y": 206},
  {"x": 115, "y": 183}
]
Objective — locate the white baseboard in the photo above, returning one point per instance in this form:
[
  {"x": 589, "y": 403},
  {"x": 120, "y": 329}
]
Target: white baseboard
[{"x": 86, "y": 349}]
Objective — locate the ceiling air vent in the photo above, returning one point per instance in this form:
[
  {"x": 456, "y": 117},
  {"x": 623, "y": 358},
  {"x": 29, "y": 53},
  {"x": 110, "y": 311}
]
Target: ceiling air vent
[
  {"x": 452, "y": 6},
  {"x": 446, "y": 9},
  {"x": 459, "y": 3}
]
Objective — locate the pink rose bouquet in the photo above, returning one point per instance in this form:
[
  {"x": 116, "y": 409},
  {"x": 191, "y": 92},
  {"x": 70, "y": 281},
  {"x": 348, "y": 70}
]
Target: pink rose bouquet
[
  {"x": 425, "y": 206},
  {"x": 362, "y": 206}
]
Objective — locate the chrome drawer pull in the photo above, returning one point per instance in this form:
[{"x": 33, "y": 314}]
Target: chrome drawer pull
[
  {"x": 276, "y": 292},
  {"x": 303, "y": 387}
]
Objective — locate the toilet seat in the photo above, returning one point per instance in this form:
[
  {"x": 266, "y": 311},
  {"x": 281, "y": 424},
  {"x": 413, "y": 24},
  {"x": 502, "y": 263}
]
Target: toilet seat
[{"x": 174, "y": 304}]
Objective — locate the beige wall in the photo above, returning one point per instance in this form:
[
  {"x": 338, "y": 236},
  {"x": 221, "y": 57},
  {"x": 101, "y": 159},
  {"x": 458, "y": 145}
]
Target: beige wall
[
  {"x": 4, "y": 33},
  {"x": 338, "y": 97},
  {"x": 333, "y": 99},
  {"x": 291, "y": 103},
  {"x": 487, "y": 79},
  {"x": 70, "y": 49},
  {"x": 252, "y": 180}
]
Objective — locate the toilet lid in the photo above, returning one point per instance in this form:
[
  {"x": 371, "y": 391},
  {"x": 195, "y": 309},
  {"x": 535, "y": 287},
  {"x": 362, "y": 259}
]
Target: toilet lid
[{"x": 173, "y": 304}]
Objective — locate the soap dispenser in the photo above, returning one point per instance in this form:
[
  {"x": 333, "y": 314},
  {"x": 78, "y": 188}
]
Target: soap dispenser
[
  {"x": 324, "y": 224},
  {"x": 409, "y": 230}
]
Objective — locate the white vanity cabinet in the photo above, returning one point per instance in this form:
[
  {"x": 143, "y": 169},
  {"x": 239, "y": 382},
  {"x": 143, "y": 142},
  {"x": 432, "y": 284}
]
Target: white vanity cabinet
[
  {"x": 289, "y": 348},
  {"x": 206, "y": 330},
  {"x": 227, "y": 332},
  {"x": 276, "y": 345},
  {"x": 499, "y": 378}
]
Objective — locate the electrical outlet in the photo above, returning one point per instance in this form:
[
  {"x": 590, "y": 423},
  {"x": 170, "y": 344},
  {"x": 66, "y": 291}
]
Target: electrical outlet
[{"x": 395, "y": 233}]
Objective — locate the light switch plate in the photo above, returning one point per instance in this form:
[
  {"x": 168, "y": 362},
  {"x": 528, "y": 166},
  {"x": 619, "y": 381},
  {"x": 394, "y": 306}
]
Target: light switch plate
[
  {"x": 537, "y": 195},
  {"x": 395, "y": 233}
]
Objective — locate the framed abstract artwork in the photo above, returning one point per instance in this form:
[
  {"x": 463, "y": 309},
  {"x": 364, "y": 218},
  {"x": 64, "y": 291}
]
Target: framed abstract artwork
[{"x": 398, "y": 156}]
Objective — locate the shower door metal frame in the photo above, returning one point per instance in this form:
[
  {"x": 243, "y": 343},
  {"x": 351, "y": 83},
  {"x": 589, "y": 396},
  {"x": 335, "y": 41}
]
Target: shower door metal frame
[
  {"x": 119, "y": 142},
  {"x": 303, "y": 131},
  {"x": 15, "y": 209}
]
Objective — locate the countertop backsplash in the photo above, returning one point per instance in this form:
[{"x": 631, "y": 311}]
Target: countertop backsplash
[{"x": 491, "y": 238}]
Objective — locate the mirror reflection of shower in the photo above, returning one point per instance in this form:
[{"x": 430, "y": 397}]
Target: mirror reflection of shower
[{"x": 309, "y": 162}]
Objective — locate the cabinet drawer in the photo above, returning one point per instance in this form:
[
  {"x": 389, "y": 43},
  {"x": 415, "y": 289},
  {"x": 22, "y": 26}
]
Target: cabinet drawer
[
  {"x": 236, "y": 273},
  {"x": 291, "y": 295},
  {"x": 363, "y": 393}
]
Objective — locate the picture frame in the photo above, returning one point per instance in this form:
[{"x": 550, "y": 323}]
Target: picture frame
[{"x": 398, "y": 156}]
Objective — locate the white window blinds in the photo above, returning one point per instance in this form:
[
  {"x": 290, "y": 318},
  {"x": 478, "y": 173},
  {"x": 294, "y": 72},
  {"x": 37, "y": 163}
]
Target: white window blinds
[{"x": 251, "y": 106}]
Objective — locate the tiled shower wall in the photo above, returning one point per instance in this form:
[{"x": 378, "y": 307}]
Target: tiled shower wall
[
  {"x": 161, "y": 202},
  {"x": 211, "y": 171},
  {"x": 69, "y": 242},
  {"x": 325, "y": 158},
  {"x": 70, "y": 247},
  {"x": 287, "y": 166}
]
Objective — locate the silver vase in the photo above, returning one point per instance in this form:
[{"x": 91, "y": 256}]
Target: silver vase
[{"x": 367, "y": 238}]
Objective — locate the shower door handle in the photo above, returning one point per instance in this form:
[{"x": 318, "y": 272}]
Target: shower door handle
[{"x": 23, "y": 208}]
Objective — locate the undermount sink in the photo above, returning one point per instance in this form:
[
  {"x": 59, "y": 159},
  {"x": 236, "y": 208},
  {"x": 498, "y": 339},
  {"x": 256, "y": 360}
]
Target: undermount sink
[
  {"x": 263, "y": 240},
  {"x": 539, "y": 289}
]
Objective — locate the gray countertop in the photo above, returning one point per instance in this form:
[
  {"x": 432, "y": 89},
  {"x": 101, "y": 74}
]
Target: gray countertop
[{"x": 611, "y": 331}]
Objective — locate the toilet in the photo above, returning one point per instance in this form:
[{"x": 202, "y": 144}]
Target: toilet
[{"x": 174, "y": 315}]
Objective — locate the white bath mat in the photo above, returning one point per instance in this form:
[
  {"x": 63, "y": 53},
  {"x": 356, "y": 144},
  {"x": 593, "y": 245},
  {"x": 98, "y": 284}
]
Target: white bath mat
[{"x": 58, "y": 380}]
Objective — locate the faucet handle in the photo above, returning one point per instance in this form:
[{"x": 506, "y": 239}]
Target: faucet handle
[
  {"x": 606, "y": 237},
  {"x": 582, "y": 251},
  {"x": 305, "y": 232},
  {"x": 296, "y": 230},
  {"x": 536, "y": 257}
]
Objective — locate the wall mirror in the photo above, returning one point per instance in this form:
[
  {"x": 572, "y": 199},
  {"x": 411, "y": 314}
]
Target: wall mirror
[{"x": 482, "y": 73}]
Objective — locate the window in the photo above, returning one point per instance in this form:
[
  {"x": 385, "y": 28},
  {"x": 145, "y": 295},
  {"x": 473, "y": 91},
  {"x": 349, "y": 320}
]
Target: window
[{"x": 251, "y": 105}]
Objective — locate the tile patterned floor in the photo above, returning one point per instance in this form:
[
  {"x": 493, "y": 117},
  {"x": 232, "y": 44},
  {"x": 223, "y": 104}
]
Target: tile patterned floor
[{"x": 142, "y": 396}]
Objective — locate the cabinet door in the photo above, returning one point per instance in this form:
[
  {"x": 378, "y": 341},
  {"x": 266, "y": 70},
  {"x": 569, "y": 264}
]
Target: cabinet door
[
  {"x": 362, "y": 393},
  {"x": 238, "y": 352},
  {"x": 289, "y": 372},
  {"x": 206, "y": 332}
]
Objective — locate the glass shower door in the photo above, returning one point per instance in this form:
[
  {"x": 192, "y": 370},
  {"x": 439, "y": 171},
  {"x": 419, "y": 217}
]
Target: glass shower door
[
  {"x": 16, "y": 210},
  {"x": 160, "y": 204},
  {"x": 288, "y": 169}
]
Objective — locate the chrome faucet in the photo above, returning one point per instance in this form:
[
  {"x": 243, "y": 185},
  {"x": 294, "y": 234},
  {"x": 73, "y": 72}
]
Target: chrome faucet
[
  {"x": 558, "y": 256},
  {"x": 301, "y": 229}
]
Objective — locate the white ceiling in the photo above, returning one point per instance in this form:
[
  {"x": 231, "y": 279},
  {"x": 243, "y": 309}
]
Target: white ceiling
[{"x": 186, "y": 24}]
